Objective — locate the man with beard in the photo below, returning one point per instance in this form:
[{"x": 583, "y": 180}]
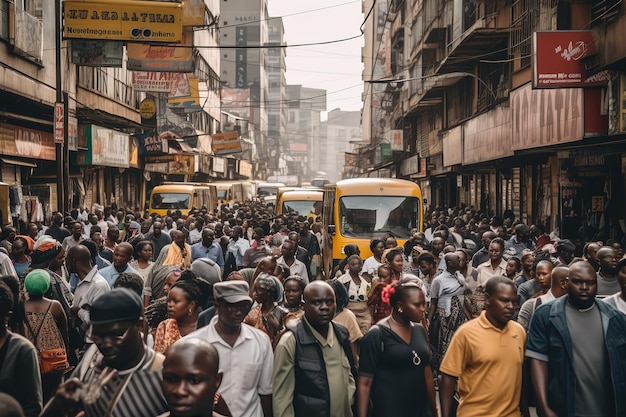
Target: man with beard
[{"x": 576, "y": 351}]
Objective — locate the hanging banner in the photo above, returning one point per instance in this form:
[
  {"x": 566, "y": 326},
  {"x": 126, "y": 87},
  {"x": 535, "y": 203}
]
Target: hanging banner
[
  {"x": 148, "y": 21},
  {"x": 167, "y": 58},
  {"x": 225, "y": 143},
  {"x": 90, "y": 53}
]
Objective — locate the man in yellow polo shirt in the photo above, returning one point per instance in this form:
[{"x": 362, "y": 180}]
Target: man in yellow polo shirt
[{"x": 486, "y": 356}]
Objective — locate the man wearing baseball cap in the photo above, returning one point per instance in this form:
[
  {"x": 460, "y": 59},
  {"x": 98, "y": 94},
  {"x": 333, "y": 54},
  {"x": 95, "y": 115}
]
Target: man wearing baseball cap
[
  {"x": 245, "y": 353},
  {"x": 118, "y": 375}
]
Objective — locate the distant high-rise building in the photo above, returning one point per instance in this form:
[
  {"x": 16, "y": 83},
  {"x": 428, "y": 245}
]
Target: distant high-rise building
[
  {"x": 338, "y": 131},
  {"x": 244, "y": 25},
  {"x": 277, "y": 95},
  {"x": 305, "y": 106}
]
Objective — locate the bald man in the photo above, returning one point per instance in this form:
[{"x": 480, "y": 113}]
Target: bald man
[
  {"x": 122, "y": 255},
  {"x": 90, "y": 287},
  {"x": 298, "y": 389},
  {"x": 191, "y": 378}
]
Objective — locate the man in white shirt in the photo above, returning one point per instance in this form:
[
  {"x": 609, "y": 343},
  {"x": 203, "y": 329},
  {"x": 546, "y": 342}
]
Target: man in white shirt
[
  {"x": 245, "y": 353},
  {"x": 238, "y": 245},
  {"x": 296, "y": 267},
  {"x": 90, "y": 287}
]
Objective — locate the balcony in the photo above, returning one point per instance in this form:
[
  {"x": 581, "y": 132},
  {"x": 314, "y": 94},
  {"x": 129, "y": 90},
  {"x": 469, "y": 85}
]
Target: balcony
[{"x": 479, "y": 28}]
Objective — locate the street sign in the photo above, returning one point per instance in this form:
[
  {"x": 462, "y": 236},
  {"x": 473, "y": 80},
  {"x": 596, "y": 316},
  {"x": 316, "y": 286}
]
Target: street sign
[{"x": 59, "y": 118}]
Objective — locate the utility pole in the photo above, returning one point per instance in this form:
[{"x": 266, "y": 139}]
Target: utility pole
[{"x": 61, "y": 148}]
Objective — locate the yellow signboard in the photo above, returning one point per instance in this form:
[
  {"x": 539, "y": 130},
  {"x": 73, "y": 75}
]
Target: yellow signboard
[
  {"x": 193, "y": 12},
  {"x": 140, "y": 21}
]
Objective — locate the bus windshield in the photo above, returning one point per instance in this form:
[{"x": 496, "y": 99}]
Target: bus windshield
[
  {"x": 171, "y": 201},
  {"x": 302, "y": 207},
  {"x": 372, "y": 216},
  {"x": 265, "y": 191}
]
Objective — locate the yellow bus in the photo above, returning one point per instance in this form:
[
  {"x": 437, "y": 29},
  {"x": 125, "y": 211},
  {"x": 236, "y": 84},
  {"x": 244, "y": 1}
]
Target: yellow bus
[
  {"x": 360, "y": 209},
  {"x": 301, "y": 201},
  {"x": 229, "y": 192},
  {"x": 182, "y": 196}
]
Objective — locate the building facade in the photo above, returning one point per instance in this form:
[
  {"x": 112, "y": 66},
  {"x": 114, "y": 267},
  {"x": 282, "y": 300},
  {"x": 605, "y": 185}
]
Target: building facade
[
  {"x": 480, "y": 123},
  {"x": 106, "y": 141}
]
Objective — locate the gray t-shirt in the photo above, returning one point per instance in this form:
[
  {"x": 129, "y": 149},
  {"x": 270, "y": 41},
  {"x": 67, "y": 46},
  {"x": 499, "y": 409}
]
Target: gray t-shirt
[
  {"x": 591, "y": 363},
  {"x": 607, "y": 286}
]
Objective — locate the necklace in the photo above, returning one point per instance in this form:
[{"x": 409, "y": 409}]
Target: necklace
[
  {"x": 416, "y": 358},
  {"x": 584, "y": 310}
]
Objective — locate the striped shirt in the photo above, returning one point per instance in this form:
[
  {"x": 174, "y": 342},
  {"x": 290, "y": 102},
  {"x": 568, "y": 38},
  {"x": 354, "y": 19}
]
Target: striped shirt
[{"x": 140, "y": 387}]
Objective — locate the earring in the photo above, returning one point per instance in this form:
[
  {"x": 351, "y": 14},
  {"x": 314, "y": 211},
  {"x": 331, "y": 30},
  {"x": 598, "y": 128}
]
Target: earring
[
  {"x": 400, "y": 310},
  {"x": 189, "y": 312}
]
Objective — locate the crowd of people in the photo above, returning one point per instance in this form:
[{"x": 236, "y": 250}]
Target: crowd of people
[{"x": 120, "y": 313}]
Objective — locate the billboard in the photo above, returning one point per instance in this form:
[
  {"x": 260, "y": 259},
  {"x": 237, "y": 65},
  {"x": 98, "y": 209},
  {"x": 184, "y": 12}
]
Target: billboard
[
  {"x": 225, "y": 143},
  {"x": 105, "y": 147},
  {"x": 193, "y": 12},
  {"x": 92, "y": 53},
  {"x": 148, "y": 21},
  {"x": 170, "y": 164},
  {"x": 188, "y": 103},
  {"x": 163, "y": 58},
  {"x": 559, "y": 59}
]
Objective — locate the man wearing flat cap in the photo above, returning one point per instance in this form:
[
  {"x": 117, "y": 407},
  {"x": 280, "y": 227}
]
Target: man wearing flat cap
[
  {"x": 245, "y": 353},
  {"x": 118, "y": 375},
  {"x": 519, "y": 241},
  {"x": 564, "y": 252}
]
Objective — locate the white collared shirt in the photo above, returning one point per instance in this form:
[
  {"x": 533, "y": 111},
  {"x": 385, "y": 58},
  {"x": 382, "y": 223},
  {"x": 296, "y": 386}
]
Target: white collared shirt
[
  {"x": 87, "y": 290},
  {"x": 297, "y": 268},
  {"x": 247, "y": 367}
]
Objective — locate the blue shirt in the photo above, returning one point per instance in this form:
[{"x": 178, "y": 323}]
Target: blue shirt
[
  {"x": 213, "y": 252},
  {"x": 110, "y": 274}
]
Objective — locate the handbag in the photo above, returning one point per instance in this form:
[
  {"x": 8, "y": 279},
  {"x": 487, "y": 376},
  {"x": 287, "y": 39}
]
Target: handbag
[{"x": 50, "y": 360}]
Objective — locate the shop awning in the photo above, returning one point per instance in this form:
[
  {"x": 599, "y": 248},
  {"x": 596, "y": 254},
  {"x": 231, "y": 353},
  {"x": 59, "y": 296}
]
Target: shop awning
[{"x": 18, "y": 162}]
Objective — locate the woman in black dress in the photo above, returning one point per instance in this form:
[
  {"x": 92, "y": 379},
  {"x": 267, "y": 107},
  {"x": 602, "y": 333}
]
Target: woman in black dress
[{"x": 394, "y": 370}]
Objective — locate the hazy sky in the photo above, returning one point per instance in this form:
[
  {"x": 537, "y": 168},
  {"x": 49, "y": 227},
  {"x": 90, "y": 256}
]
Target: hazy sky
[{"x": 336, "y": 67}]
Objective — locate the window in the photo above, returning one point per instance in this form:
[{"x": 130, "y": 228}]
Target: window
[
  {"x": 292, "y": 117},
  {"x": 373, "y": 216},
  {"x": 28, "y": 37},
  {"x": 4, "y": 19}
]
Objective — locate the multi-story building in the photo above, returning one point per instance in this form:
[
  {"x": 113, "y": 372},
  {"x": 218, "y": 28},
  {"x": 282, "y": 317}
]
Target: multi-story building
[
  {"x": 303, "y": 129},
  {"x": 101, "y": 161},
  {"x": 277, "y": 95},
  {"x": 244, "y": 26},
  {"x": 510, "y": 105},
  {"x": 340, "y": 131}
]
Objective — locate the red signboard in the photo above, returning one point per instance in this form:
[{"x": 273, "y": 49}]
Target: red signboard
[{"x": 559, "y": 59}]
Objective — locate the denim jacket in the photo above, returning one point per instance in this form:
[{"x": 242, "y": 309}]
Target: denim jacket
[{"x": 549, "y": 340}]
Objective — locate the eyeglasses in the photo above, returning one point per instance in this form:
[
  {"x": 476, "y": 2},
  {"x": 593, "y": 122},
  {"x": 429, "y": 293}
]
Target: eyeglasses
[
  {"x": 359, "y": 297},
  {"x": 115, "y": 339},
  {"x": 238, "y": 307}
]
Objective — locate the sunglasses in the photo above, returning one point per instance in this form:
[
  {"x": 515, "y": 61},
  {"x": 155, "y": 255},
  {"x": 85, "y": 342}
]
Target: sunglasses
[{"x": 115, "y": 339}]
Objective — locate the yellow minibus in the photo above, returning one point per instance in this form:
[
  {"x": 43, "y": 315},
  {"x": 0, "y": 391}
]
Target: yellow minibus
[
  {"x": 182, "y": 196},
  {"x": 359, "y": 209}
]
